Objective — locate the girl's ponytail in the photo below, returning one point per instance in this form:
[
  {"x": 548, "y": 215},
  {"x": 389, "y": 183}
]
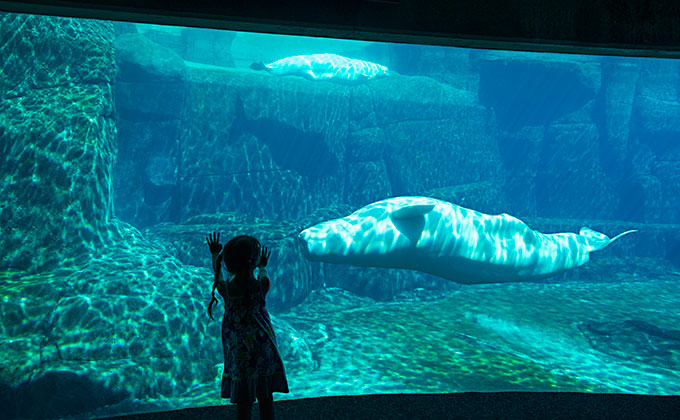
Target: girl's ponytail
[{"x": 213, "y": 299}]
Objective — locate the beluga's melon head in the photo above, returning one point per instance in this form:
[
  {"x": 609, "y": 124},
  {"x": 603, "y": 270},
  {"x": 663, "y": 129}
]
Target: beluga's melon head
[{"x": 380, "y": 234}]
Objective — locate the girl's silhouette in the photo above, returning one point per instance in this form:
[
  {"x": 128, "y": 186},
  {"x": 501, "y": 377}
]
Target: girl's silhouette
[{"x": 252, "y": 364}]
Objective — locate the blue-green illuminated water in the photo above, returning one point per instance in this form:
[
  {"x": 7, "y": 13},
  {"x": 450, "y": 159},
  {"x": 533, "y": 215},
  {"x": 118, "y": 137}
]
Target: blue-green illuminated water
[{"x": 123, "y": 145}]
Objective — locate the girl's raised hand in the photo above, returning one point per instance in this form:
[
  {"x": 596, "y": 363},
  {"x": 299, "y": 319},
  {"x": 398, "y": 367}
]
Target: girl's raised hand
[
  {"x": 264, "y": 257},
  {"x": 213, "y": 240}
]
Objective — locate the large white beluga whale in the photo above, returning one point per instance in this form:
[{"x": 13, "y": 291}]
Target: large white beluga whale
[
  {"x": 449, "y": 241},
  {"x": 333, "y": 67}
]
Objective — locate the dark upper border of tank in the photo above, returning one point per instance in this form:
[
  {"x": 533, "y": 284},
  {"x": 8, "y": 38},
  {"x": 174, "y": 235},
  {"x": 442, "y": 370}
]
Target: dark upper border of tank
[{"x": 607, "y": 27}]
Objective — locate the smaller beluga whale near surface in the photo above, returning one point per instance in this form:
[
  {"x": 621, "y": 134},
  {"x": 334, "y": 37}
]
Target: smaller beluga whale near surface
[
  {"x": 449, "y": 241},
  {"x": 333, "y": 67}
]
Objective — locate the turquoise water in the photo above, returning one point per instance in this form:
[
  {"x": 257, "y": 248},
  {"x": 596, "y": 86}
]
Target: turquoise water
[{"x": 123, "y": 145}]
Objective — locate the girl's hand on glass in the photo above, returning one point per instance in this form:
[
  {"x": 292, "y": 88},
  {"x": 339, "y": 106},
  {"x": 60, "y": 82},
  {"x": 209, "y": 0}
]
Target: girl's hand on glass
[
  {"x": 264, "y": 257},
  {"x": 214, "y": 245}
]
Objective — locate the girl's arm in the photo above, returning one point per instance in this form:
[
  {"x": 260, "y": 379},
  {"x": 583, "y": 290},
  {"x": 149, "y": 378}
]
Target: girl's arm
[
  {"x": 219, "y": 277},
  {"x": 264, "y": 279},
  {"x": 264, "y": 276}
]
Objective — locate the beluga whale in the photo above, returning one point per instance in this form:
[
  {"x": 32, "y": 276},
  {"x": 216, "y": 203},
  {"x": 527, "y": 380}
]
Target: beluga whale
[
  {"x": 446, "y": 240},
  {"x": 333, "y": 67}
]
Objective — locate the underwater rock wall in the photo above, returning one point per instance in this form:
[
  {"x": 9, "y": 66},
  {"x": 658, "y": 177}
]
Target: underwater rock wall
[
  {"x": 93, "y": 315},
  {"x": 127, "y": 327},
  {"x": 291, "y": 273},
  {"x": 652, "y": 184},
  {"x": 192, "y": 44},
  {"x": 550, "y": 143},
  {"x": 150, "y": 94},
  {"x": 281, "y": 147},
  {"x": 569, "y": 170},
  {"x": 278, "y": 148},
  {"x": 57, "y": 139},
  {"x": 591, "y": 137},
  {"x": 264, "y": 146}
]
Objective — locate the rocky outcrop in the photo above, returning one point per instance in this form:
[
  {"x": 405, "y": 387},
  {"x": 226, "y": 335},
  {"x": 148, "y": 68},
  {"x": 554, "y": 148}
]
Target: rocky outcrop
[
  {"x": 509, "y": 84},
  {"x": 207, "y": 46},
  {"x": 569, "y": 170},
  {"x": 619, "y": 77},
  {"x": 57, "y": 140},
  {"x": 126, "y": 325},
  {"x": 150, "y": 94},
  {"x": 437, "y": 136},
  {"x": 652, "y": 185},
  {"x": 280, "y": 147},
  {"x": 93, "y": 314},
  {"x": 291, "y": 273},
  {"x": 585, "y": 136},
  {"x": 456, "y": 67},
  {"x": 271, "y": 147},
  {"x": 634, "y": 339}
]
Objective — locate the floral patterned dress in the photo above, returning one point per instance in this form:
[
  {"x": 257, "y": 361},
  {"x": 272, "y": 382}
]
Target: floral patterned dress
[{"x": 252, "y": 364}]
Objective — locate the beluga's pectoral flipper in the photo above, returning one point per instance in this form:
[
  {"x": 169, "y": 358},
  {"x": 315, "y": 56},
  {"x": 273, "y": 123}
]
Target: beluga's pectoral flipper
[{"x": 441, "y": 238}]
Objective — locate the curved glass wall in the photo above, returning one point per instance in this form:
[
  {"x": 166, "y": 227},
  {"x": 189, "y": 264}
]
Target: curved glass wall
[{"x": 440, "y": 219}]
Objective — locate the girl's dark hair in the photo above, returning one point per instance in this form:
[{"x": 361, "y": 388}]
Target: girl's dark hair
[{"x": 239, "y": 254}]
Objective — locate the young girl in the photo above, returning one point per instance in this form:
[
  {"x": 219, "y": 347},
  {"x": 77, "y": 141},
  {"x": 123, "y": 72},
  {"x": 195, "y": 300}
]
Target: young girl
[{"x": 252, "y": 365}]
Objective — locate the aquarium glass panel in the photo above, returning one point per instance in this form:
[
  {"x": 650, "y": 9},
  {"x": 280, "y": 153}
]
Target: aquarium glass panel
[{"x": 440, "y": 219}]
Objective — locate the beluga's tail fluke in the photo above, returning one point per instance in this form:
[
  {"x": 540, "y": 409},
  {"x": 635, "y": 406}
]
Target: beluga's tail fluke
[{"x": 597, "y": 240}]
